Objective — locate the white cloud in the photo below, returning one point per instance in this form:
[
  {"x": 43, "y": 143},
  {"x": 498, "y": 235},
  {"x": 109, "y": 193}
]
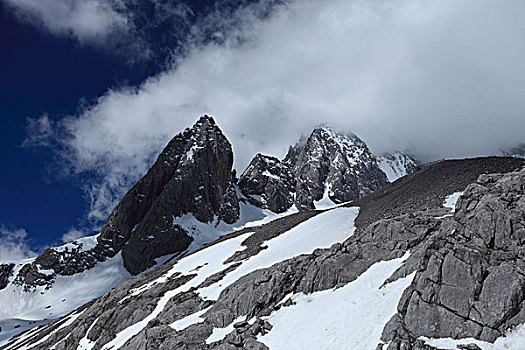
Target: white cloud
[
  {"x": 86, "y": 20},
  {"x": 13, "y": 245},
  {"x": 72, "y": 235},
  {"x": 443, "y": 78}
]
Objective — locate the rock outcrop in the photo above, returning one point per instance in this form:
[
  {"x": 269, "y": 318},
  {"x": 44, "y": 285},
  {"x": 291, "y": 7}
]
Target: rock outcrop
[
  {"x": 193, "y": 174},
  {"x": 5, "y": 272},
  {"x": 268, "y": 183},
  {"x": 467, "y": 268},
  {"x": 341, "y": 165},
  {"x": 471, "y": 279}
]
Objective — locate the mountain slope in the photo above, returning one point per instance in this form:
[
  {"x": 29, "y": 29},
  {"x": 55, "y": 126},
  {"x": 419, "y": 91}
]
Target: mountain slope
[
  {"x": 186, "y": 199},
  {"x": 396, "y": 165},
  {"x": 244, "y": 290}
]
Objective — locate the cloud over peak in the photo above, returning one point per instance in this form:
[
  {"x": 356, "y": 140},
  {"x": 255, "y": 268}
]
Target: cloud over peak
[{"x": 441, "y": 78}]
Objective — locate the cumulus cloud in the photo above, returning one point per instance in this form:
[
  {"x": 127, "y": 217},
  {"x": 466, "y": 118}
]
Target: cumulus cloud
[
  {"x": 441, "y": 78},
  {"x": 13, "y": 244},
  {"x": 86, "y": 20},
  {"x": 72, "y": 235}
]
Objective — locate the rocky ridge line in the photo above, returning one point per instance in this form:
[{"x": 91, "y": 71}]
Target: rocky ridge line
[
  {"x": 430, "y": 232},
  {"x": 193, "y": 174}
]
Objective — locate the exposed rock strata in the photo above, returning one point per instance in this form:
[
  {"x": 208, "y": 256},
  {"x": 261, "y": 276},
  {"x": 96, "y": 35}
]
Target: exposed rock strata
[
  {"x": 327, "y": 163},
  {"x": 468, "y": 266},
  {"x": 193, "y": 174}
]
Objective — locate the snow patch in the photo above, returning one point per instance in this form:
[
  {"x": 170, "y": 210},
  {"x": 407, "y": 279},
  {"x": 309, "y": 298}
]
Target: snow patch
[
  {"x": 270, "y": 175},
  {"x": 450, "y": 201},
  {"x": 67, "y": 293},
  {"x": 325, "y": 202},
  {"x": 85, "y": 343},
  {"x": 395, "y": 165},
  {"x": 192, "y": 264},
  {"x": 80, "y": 245},
  {"x": 321, "y": 231},
  {"x": 187, "y": 321},
  {"x": 513, "y": 339},
  {"x": 219, "y": 333},
  {"x": 351, "y": 317}
]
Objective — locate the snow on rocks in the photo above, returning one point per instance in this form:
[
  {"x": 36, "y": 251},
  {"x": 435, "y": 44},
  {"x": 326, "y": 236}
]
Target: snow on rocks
[
  {"x": 302, "y": 239},
  {"x": 450, "y": 201},
  {"x": 219, "y": 333},
  {"x": 67, "y": 293},
  {"x": 351, "y": 317},
  {"x": 514, "y": 339},
  {"x": 396, "y": 165},
  {"x": 187, "y": 321}
]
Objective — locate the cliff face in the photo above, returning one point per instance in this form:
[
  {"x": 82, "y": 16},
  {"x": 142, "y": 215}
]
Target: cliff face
[
  {"x": 192, "y": 175},
  {"x": 339, "y": 164},
  {"x": 337, "y": 167}
]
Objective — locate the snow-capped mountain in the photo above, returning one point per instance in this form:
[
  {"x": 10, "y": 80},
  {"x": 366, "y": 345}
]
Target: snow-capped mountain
[
  {"x": 431, "y": 261},
  {"x": 321, "y": 170},
  {"x": 396, "y": 164},
  {"x": 187, "y": 199},
  {"x": 237, "y": 265}
]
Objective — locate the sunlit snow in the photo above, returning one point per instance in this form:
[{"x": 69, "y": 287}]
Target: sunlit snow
[
  {"x": 513, "y": 340},
  {"x": 450, "y": 201},
  {"x": 351, "y": 317},
  {"x": 321, "y": 231}
]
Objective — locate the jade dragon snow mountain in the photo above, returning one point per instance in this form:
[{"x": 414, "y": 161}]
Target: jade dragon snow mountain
[{"x": 332, "y": 247}]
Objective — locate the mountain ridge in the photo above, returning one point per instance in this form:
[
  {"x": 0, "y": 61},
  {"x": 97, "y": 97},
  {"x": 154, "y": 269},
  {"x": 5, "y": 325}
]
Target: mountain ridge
[
  {"x": 262, "y": 290},
  {"x": 191, "y": 196}
]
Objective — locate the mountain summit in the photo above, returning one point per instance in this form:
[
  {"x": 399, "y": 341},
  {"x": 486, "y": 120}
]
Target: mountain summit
[
  {"x": 193, "y": 174},
  {"x": 325, "y": 167}
]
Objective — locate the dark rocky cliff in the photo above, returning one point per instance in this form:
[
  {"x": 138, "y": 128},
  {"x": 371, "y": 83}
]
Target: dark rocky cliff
[
  {"x": 193, "y": 174},
  {"x": 326, "y": 162}
]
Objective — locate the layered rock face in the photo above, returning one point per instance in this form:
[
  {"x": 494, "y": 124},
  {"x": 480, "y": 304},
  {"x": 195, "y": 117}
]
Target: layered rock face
[
  {"x": 471, "y": 278},
  {"x": 268, "y": 183},
  {"x": 192, "y": 175},
  {"x": 326, "y": 163},
  {"x": 466, "y": 268},
  {"x": 340, "y": 164},
  {"x": 5, "y": 272}
]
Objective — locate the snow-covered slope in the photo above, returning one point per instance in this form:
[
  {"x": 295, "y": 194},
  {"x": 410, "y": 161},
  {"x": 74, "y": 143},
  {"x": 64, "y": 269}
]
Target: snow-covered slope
[
  {"x": 186, "y": 200},
  {"x": 332, "y": 279},
  {"x": 396, "y": 165},
  {"x": 24, "y": 308}
]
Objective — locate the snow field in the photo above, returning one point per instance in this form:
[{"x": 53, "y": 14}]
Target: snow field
[
  {"x": 321, "y": 231},
  {"x": 351, "y": 317}
]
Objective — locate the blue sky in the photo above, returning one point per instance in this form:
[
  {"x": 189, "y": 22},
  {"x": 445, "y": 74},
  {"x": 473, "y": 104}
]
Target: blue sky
[
  {"x": 58, "y": 58},
  {"x": 41, "y": 73},
  {"x": 96, "y": 88}
]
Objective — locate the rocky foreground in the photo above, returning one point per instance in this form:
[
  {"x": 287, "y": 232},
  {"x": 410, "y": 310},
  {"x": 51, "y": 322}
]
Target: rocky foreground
[{"x": 436, "y": 272}]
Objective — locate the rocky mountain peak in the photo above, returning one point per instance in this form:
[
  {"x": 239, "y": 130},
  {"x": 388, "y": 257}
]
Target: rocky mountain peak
[
  {"x": 327, "y": 164},
  {"x": 330, "y": 163},
  {"x": 192, "y": 175},
  {"x": 268, "y": 183}
]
